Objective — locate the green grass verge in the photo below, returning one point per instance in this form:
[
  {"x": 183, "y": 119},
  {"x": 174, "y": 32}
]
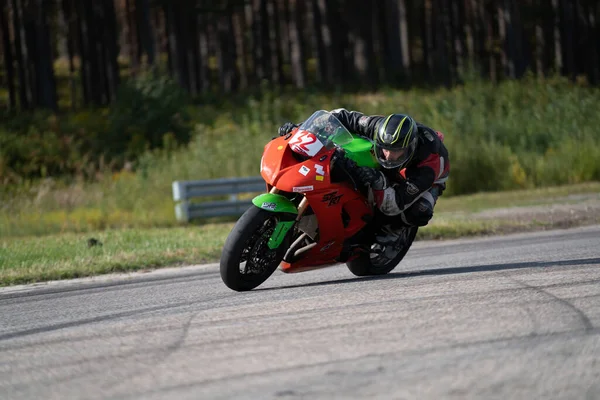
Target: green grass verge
[
  {"x": 516, "y": 198},
  {"x": 67, "y": 255}
]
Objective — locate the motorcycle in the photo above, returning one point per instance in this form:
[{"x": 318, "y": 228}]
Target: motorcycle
[{"x": 312, "y": 215}]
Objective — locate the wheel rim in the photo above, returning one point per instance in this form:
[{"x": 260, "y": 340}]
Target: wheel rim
[{"x": 257, "y": 258}]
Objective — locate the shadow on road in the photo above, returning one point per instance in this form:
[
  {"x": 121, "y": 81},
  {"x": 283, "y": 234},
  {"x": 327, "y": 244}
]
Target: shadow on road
[{"x": 449, "y": 271}]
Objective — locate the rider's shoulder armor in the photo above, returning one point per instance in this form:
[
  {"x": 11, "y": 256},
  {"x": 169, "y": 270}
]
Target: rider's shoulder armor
[{"x": 429, "y": 142}]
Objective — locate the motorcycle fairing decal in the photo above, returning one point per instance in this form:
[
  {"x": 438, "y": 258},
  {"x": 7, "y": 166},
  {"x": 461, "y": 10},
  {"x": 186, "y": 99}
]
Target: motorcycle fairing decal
[
  {"x": 269, "y": 206},
  {"x": 331, "y": 198},
  {"x": 304, "y": 170},
  {"x": 282, "y": 204},
  {"x": 305, "y": 142},
  {"x": 302, "y": 189},
  {"x": 319, "y": 169}
]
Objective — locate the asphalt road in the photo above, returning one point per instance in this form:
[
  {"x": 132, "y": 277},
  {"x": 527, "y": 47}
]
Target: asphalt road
[{"x": 515, "y": 317}]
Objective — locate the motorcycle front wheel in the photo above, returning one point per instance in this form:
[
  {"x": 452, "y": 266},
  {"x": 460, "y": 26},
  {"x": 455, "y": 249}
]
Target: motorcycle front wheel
[{"x": 246, "y": 260}]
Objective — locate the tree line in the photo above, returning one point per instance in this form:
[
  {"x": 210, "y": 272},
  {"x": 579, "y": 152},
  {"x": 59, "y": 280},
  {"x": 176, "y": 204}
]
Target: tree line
[{"x": 228, "y": 46}]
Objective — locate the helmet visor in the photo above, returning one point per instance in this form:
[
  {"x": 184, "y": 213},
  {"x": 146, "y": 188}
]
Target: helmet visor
[{"x": 394, "y": 158}]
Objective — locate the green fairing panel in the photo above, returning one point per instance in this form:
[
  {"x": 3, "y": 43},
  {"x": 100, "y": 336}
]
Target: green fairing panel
[
  {"x": 275, "y": 203},
  {"x": 279, "y": 233},
  {"x": 359, "y": 150}
]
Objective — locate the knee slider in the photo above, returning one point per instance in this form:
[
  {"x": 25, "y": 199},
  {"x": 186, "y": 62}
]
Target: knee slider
[{"x": 419, "y": 213}]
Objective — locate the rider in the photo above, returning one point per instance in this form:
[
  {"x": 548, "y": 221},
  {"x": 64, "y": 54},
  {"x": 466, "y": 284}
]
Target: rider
[{"x": 399, "y": 143}]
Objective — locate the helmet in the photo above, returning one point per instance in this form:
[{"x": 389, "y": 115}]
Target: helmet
[{"x": 396, "y": 141}]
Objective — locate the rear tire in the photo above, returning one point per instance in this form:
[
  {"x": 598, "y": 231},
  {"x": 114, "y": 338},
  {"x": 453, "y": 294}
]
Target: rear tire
[
  {"x": 362, "y": 266},
  {"x": 246, "y": 260}
]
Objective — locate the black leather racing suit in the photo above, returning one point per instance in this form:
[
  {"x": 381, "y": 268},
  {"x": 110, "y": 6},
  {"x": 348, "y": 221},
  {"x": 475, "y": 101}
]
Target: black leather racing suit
[{"x": 425, "y": 174}]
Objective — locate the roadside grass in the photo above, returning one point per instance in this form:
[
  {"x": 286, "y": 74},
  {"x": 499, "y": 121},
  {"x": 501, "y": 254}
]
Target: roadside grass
[
  {"x": 516, "y": 198},
  {"x": 30, "y": 259},
  {"x": 66, "y": 256}
]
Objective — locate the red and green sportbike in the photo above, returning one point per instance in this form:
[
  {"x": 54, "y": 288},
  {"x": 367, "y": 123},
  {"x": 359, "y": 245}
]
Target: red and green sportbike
[{"x": 312, "y": 214}]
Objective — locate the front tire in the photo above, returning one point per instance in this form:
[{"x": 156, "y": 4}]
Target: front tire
[
  {"x": 246, "y": 260},
  {"x": 363, "y": 265}
]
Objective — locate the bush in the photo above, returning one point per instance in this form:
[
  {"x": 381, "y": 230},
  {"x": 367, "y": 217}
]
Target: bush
[
  {"x": 483, "y": 166},
  {"x": 147, "y": 108},
  {"x": 150, "y": 112}
]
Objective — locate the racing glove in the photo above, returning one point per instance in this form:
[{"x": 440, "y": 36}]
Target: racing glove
[
  {"x": 286, "y": 128},
  {"x": 371, "y": 177},
  {"x": 363, "y": 176}
]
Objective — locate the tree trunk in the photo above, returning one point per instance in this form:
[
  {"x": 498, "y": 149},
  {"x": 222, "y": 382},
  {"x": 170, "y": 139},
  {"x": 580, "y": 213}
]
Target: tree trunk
[
  {"x": 203, "y": 53},
  {"x": 131, "y": 26},
  {"x": 283, "y": 11},
  {"x": 176, "y": 44},
  {"x": 226, "y": 54},
  {"x": 580, "y": 55},
  {"x": 557, "y": 37},
  {"x": 110, "y": 44},
  {"x": 156, "y": 16},
  {"x": 92, "y": 76},
  {"x": 238, "y": 32},
  {"x": 404, "y": 37},
  {"x": 274, "y": 50},
  {"x": 588, "y": 47},
  {"x": 169, "y": 39},
  {"x": 458, "y": 24},
  {"x": 29, "y": 15},
  {"x": 363, "y": 54},
  {"x": 317, "y": 40},
  {"x": 567, "y": 36},
  {"x": 427, "y": 35},
  {"x": 297, "y": 59},
  {"x": 142, "y": 11},
  {"x": 593, "y": 13},
  {"x": 71, "y": 26},
  {"x": 8, "y": 57},
  {"x": 472, "y": 29},
  {"x": 83, "y": 52},
  {"x": 547, "y": 35},
  {"x": 45, "y": 80},
  {"x": 443, "y": 66},
  {"x": 488, "y": 15},
  {"x": 514, "y": 37},
  {"x": 326, "y": 43},
  {"x": 189, "y": 22},
  {"x": 377, "y": 27},
  {"x": 392, "y": 49},
  {"x": 258, "y": 39},
  {"x": 481, "y": 44},
  {"x": 502, "y": 37},
  {"x": 24, "y": 87}
]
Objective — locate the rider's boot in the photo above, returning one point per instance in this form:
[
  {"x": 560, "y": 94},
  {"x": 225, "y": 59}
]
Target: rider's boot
[{"x": 389, "y": 241}]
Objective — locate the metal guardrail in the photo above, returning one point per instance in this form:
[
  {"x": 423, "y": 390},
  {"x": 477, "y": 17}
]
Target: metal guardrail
[{"x": 184, "y": 191}]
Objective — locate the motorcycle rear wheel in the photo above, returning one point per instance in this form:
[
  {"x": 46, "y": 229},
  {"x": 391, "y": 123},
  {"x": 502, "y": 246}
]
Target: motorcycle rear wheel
[
  {"x": 362, "y": 266},
  {"x": 246, "y": 260}
]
